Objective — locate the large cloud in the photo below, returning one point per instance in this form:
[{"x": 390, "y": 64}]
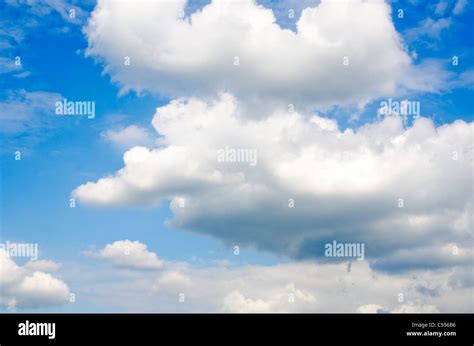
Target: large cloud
[
  {"x": 346, "y": 185},
  {"x": 195, "y": 55},
  {"x": 289, "y": 287},
  {"x": 29, "y": 287}
]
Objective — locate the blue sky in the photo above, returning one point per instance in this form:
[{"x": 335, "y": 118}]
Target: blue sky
[{"x": 58, "y": 155}]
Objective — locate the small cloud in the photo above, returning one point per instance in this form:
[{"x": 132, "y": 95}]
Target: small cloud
[
  {"x": 459, "y": 7},
  {"x": 428, "y": 291},
  {"x": 8, "y": 66},
  {"x": 68, "y": 12},
  {"x": 128, "y": 254},
  {"x": 372, "y": 309},
  {"x": 25, "y": 111},
  {"x": 23, "y": 74},
  {"x": 411, "y": 308},
  {"x": 441, "y": 8},
  {"x": 430, "y": 28},
  {"x": 43, "y": 265},
  {"x": 405, "y": 308},
  {"x": 128, "y": 137}
]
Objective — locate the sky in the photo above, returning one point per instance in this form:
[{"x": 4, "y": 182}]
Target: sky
[{"x": 359, "y": 115}]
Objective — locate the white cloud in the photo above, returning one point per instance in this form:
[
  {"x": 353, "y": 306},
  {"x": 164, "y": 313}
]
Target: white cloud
[
  {"x": 128, "y": 137},
  {"x": 189, "y": 57},
  {"x": 290, "y": 287},
  {"x": 287, "y": 299},
  {"x": 404, "y": 308},
  {"x": 129, "y": 254},
  {"x": 346, "y": 185},
  {"x": 42, "y": 265},
  {"x": 371, "y": 308},
  {"x": 29, "y": 287},
  {"x": 413, "y": 308}
]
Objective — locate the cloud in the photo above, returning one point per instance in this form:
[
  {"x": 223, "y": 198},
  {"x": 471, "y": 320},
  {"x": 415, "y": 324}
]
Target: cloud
[
  {"x": 28, "y": 286},
  {"x": 128, "y": 254},
  {"x": 42, "y": 8},
  {"x": 371, "y": 308},
  {"x": 430, "y": 28},
  {"x": 52, "y": 16},
  {"x": 8, "y": 66},
  {"x": 412, "y": 308},
  {"x": 286, "y": 287},
  {"x": 310, "y": 183},
  {"x": 425, "y": 257},
  {"x": 459, "y": 7},
  {"x": 345, "y": 185},
  {"x": 42, "y": 265},
  {"x": 11, "y": 35},
  {"x": 404, "y": 308},
  {"x": 178, "y": 57},
  {"x": 24, "y": 111},
  {"x": 128, "y": 137},
  {"x": 289, "y": 298},
  {"x": 27, "y": 117},
  {"x": 441, "y": 7}
]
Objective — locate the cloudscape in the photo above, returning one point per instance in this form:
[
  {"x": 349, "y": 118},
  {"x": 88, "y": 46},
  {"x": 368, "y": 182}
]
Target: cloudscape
[{"x": 236, "y": 156}]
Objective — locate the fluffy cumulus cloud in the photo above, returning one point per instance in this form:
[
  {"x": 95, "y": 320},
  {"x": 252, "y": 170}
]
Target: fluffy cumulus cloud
[
  {"x": 30, "y": 286},
  {"x": 241, "y": 158},
  {"x": 291, "y": 287},
  {"x": 334, "y": 57},
  {"x": 128, "y": 254},
  {"x": 291, "y": 183}
]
